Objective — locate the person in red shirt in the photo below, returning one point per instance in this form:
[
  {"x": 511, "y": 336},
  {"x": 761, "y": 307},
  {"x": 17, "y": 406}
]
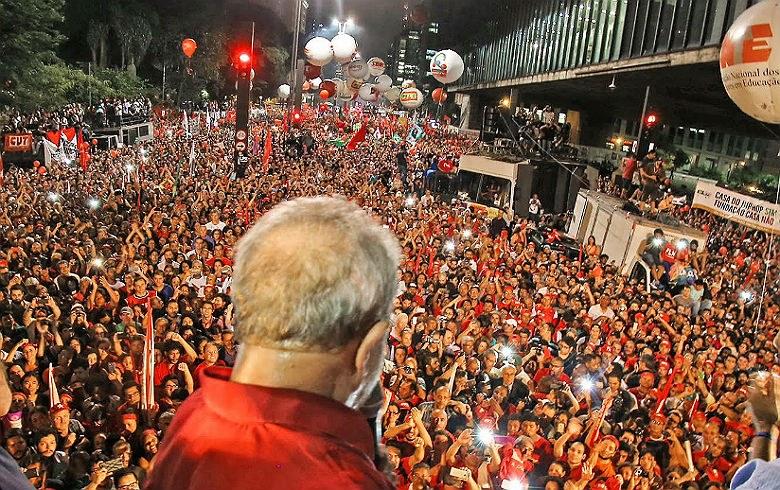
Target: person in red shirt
[{"x": 296, "y": 410}]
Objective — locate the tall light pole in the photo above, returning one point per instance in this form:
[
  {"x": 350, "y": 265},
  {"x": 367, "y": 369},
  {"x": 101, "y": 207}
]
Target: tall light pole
[{"x": 296, "y": 90}]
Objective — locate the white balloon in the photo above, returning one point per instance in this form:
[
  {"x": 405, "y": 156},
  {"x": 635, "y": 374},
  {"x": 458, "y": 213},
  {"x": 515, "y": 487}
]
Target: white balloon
[
  {"x": 411, "y": 98},
  {"x": 318, "y": 51},
  {"x": 376, "y": 66},
  {"x": 408, "y": 84},
  {"x": 750, "y": 62},
  {"x": 367, "y": 93},
  {"x": 354, "y": 84},
  {"x": 283, "y": 91},
  {"x": 357, "y": 69},
  {"x": 344, "y": 46},
  {"x": 343, "y": 91},
  {"x": 447, "y": 66},
  {"x": 315, "y": 83},
  {"x": 383, "y": 83},
  {"x": 393, "y": 94}
]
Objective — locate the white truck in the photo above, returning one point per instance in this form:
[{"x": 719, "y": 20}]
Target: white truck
[{"x": 619, "y": 233}]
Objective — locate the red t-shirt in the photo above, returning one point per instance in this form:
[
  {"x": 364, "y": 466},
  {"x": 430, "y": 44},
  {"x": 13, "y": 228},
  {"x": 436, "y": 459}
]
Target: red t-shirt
[{"x": 306, "y": 441}]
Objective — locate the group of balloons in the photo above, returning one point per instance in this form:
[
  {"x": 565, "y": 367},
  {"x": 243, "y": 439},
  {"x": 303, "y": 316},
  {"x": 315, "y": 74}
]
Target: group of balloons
[{"x": 367, "y": 78}]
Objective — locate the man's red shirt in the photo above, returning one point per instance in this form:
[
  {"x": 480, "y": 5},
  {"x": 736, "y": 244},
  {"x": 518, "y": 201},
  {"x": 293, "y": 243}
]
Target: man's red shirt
[{"x": 229, "y": 435}]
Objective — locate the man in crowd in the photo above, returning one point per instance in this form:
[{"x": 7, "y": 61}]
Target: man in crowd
[{"x": 313, "y": 332}]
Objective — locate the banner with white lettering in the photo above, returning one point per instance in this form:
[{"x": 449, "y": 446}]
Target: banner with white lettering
[{"x": 746, "y": 210}]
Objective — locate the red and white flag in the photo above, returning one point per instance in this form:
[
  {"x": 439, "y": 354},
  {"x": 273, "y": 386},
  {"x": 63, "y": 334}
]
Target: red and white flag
[
  {"x": 147, "y": 385},
  {"x": 54, "y": 394},
  {"x": 269, "y": 142}
]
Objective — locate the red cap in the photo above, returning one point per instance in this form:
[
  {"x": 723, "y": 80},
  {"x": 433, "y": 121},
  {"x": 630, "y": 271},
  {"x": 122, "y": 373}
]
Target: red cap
[
  {"x": 59, "y": 407},
  {"x": 659, "y": 417},
  {"x": 611, "y": 438},
  {"x": 129, "y": 416},
  {"x": 666, "y": 343}
]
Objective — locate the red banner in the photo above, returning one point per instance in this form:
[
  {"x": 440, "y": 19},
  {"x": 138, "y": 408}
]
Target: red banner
[{"x": 18, "y": 142}]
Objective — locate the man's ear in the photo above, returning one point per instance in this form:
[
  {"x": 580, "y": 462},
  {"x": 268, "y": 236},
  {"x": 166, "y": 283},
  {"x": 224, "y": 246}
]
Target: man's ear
[{"x": 373, "y": 344}]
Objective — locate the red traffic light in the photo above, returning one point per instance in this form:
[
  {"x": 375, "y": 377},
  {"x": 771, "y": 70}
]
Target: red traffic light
[
  {"x": 244, "y": 58},
  {"x": 651, "y": 119}
]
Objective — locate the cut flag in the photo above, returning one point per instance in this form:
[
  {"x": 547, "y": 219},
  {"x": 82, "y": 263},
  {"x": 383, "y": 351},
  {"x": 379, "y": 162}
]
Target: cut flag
[
  {"x": 83, "y": 151},
  {"x": 54, "y": 394},
  {"x": 147, "y": 384},
  {"x": 359, "y": 137},
  {"x": 269, "y": 142}
]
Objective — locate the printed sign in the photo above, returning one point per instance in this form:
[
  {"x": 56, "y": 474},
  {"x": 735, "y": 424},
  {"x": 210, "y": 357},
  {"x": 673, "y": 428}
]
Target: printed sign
[
  {"x": 746, "y": 210},
  {"x": 18, "y": 142}
]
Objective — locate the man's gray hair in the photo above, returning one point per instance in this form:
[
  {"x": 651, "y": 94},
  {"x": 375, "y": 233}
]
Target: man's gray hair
[{"x": 312, "y": 275}]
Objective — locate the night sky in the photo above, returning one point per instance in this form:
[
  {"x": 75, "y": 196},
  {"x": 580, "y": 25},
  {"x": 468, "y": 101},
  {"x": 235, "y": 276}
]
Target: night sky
[{"x": 377, "y": 22}]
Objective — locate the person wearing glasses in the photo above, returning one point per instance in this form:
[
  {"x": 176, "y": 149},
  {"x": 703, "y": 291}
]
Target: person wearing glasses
[{"x": 125, "y": 479}]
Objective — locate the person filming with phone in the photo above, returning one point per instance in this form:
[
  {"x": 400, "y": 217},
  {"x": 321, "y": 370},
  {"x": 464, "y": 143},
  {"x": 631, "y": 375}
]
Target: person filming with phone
[{"x": 312, "y": 317}]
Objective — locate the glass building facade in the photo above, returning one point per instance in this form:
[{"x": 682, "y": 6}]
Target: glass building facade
[{"x": 530, "y": 37}]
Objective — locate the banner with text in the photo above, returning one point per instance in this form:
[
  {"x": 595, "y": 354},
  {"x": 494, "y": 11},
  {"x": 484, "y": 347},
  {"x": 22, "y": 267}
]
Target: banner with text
[
  {"x": 18, "y": 142},
  {"x": 746, "y": 210}
]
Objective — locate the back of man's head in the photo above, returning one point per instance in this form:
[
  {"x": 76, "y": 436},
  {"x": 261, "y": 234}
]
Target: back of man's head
[{"x": 312, "y": 275}]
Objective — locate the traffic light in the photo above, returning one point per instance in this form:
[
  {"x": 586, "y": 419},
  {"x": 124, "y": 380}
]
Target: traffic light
[
  {"x": 650, "y": 120},
  {"x": 648, "y": 134},
  {"x": 243, "y": 64}
]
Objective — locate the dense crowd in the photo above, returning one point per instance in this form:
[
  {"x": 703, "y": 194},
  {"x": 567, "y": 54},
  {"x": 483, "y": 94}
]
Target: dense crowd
[
  {"x": 507, "y": 365},
  {"x": 108, "y": 112}
]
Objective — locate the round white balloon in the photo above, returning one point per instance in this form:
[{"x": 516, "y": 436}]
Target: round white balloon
[
  {"x": 357, "y": 69},
  {"x": 411, "y": 98},
  {"x": 383, "y": 83},
  {"x": 367, "y": 93},
  {"x": 344, "y": 46},
  {"x": 447, "y": 66},
  {"x": 750, "y": 62},
  {"x": 393, "y": 94},
  {"x": 376, "y": 66},
  {"x": 283, "y": 91},
  {"x": 408, "y": 84},
  {"x": 315, "y": 83},
  {"x": 343, "y": 90},
  {"x": 354, "y": 84},
  {"x": 318, "y": 51}
]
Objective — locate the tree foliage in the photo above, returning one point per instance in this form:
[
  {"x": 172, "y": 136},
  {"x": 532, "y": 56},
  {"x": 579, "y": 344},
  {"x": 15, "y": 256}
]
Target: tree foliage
[
  {"x": 139, "y": 37},
  {"x": 29, "y": 37}
]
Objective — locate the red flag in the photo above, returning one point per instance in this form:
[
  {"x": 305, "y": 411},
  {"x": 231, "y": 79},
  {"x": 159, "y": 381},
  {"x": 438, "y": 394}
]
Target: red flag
[
  {"x": 147, "y": 385},
  {"x": 83, "y": 151},
  {"x": 267, "y": 151},
  {"x": 360, "y": 136}
]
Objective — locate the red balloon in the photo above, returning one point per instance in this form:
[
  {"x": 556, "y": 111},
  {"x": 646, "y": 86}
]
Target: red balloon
[
  {"x": 188, "y": 47},
  {"x": 723, "y": 251},
  {"x": 420, "y": 15},
  {"x": 328, "y": 85},
  {"x": 324, "y": 94},
  {"x": 439, "y": 95},
  {"x": 36, "y": 164},
  {"x": 446, "y": 166},
  {"x": 41, "y": 170},
  {"x": 311, "y": 72},
  {"x": 94, "y": 142}
]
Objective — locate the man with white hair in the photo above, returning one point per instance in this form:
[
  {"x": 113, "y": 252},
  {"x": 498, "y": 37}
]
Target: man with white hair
[{"x": 313, "y": 287}]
